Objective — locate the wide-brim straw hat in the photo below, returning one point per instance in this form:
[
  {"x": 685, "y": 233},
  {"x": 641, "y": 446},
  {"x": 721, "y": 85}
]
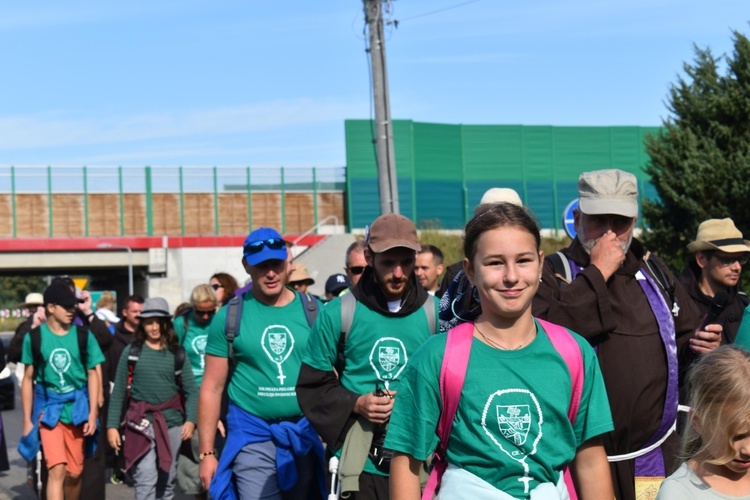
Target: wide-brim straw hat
[
  {"x": 300, "y": 275},
  {"x": 719, "y": 234},
  {"x": 33, "y": 299}
]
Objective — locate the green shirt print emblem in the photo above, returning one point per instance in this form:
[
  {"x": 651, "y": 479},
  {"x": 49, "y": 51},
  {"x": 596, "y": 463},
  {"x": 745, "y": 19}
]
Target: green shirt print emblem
[
  {"x": 60, "y": 360},
  {"x": 278, "y": 344},
  {"x": 388, "y": 359},
  {"x": 199, "y": 347},
  {"x": 509, "y": 416}
]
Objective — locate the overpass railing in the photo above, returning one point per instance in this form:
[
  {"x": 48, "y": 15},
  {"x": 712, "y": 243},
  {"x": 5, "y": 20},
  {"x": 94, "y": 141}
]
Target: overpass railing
[{"x": 57, "y": 201}]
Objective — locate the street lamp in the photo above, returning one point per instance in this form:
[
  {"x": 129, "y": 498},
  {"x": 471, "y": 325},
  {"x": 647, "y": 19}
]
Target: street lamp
[{"x": 130, "y": 262}]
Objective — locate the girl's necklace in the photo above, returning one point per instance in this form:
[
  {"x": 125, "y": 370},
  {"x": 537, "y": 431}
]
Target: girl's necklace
[{"x": 497, "y": 345}]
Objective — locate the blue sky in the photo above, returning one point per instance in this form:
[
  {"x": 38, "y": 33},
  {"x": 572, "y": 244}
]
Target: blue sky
[{"x": 271, "y": 83}]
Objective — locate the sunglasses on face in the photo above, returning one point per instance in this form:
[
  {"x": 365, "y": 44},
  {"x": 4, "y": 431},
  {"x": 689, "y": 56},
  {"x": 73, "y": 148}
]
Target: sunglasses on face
[
  {"x": 357, "y": 270},
  {"x": 204, "y": 314},
  {"x": 726, "y": 260},
  {"x": 216, "y": 286},
  {"x": 257, "y": 246}
]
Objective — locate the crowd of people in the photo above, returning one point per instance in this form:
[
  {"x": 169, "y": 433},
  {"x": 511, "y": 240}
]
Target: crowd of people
[{"x": 521, "y": 375}]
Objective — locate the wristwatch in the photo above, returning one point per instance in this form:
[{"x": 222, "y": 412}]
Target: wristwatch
[{"x": 201, "y": 456}]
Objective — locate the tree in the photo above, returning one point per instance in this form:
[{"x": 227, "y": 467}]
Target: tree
[
  {"x": 13, "y": 289},
  {"x": 700, "y": 162}
]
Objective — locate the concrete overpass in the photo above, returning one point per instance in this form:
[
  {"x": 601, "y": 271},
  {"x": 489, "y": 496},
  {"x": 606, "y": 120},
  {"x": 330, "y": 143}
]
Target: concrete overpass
[{"x": 168, "y": 266}]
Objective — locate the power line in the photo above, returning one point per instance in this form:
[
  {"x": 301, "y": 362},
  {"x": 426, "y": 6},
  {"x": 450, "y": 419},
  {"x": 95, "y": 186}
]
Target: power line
[{"x": 439, "y": 10}]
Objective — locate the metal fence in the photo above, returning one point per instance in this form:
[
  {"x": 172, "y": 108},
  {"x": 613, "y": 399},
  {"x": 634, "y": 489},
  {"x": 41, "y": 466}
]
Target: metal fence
[{"x": 55, "y": 194}]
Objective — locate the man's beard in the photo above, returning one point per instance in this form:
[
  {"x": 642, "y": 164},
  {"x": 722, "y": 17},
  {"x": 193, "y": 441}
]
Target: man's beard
[{"x": 589, "y": 244}]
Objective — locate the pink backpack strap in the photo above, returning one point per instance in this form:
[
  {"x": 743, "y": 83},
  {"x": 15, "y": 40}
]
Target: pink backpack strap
[
  {"x": 570, "y": 351},
  {"x": 452, "y": 375}
]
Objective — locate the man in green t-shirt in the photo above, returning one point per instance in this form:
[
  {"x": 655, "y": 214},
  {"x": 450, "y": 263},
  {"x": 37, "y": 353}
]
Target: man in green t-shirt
[
  {"x": 64, "y": 401},
  {"x": 357, "y": 352},
  {"x": 271, "y": 450}
]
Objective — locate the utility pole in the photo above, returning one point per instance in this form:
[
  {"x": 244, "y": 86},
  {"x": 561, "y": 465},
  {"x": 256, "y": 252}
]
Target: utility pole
[{"x": 386, "y": 156}]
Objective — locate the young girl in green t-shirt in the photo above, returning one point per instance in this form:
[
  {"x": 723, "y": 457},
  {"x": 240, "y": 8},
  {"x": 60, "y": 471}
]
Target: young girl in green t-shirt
[{"x": 511, "y": 436}]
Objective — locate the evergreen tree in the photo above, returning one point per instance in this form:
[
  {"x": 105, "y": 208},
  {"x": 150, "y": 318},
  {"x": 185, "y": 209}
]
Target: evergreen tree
[{"x": 700, "y": 162}]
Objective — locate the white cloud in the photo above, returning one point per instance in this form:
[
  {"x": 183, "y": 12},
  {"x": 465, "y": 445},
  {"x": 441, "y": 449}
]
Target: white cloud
[{"x": 54, "y": 130}]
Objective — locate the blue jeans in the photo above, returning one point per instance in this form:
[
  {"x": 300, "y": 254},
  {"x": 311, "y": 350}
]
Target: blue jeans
[
  {"x": 254, "y": 472},
  {"x": 152, "y": 483}
]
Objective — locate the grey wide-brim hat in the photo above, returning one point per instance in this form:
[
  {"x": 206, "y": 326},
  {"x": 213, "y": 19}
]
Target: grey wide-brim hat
[
  {"x": 155, "y": 307},
  {"x": 719, "y": 234}
]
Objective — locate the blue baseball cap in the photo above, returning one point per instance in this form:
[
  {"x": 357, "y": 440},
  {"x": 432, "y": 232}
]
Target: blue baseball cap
[{"x": 264, "y": 244}]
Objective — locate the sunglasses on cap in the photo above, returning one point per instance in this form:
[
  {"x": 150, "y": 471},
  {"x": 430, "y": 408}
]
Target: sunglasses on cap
[
  {"x": 357, "y": 270},
  {"x": 257, "y": 246}
]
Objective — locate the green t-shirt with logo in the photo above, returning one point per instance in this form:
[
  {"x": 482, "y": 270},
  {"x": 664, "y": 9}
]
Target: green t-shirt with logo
[
  {"x": 376, "y": 351},
  {"x": 511, "y": 427},
  {"x": 63, "y": 371},
  {"x": 268, "y": 348},
  {"x": 194, "y": 343}
]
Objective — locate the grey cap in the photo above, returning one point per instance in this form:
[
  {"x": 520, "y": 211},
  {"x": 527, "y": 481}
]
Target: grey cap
[
  {"x": 155, "y": 307},
  {"x": 610, "y": 191}
]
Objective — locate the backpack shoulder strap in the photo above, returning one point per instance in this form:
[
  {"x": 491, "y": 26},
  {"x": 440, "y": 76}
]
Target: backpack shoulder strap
[
  {"x": 452, "y": 375},
  {"x": 185, "y": 322},
  {"x": 429, "y": 310},
  {"x": 232, "y": 325},
  {"x": 561, "y": 267},
  {"x": 348, "y": 304},
  {"x": 658, "y": 273},
  {"x": 133, "y": 356},
  {"x": 310, "y": 306},
  {"x": 179, "y": 360},
  {"x": 83, "y": 344},
  {"x": 36, "y": 349},
  {"x": 570, "y": 351}
]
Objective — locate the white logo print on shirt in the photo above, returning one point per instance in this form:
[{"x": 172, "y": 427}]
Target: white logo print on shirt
[
  {"x": 199, "y": 347},
  {"x": 388, "y": 359},
  {"x": 278, "y": 344},
  {"x": 507, "y": 418},
  {"x": 60, "y": 361}
]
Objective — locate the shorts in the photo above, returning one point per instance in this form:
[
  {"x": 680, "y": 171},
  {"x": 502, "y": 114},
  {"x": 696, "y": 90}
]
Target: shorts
[{"x": 63, "y": 444}]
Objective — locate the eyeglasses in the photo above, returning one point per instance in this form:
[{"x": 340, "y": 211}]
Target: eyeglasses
[
  {"x": 204, "y": 314},
  {"x": 216, "y": 286},
  {"x": 356, "y": 270},
  {"x": 726, "y": 261},
  {"x": 257, "y": 246}
]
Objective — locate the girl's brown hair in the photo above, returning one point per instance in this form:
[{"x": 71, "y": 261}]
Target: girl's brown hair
[
  {"x": 228, "y": 283},
  {"x": 167, "y": 332},
  {"x": 719, "y": 384},
  {"x": 499, "y": 215}
]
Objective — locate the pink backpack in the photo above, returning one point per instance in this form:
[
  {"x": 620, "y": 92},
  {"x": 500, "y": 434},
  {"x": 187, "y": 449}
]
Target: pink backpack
[{"x": 453, "y": 373}]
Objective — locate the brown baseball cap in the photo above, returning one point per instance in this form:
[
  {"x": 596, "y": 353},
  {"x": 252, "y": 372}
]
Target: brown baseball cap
[
  {"x": 391, "y": 231},
  {"x": 610, "y": 191}
]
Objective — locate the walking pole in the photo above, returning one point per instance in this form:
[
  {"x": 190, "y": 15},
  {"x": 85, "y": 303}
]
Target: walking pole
[
  {"x": 39, "y": 473},
  {"x": 333, "y": 468}
]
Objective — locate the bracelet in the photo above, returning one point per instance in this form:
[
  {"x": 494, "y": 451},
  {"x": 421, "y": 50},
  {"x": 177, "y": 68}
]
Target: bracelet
[{"x": 201, "y": 456}]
